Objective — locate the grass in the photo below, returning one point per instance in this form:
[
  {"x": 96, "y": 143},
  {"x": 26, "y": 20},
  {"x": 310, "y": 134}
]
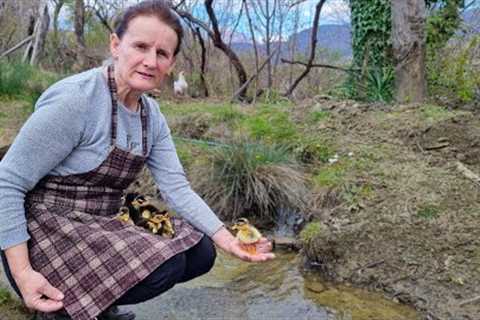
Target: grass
[
  {"x": 250, "y": 179},
  {"x": 22, "y": 81},
  {"x": 11, "y": 307},
  {"x": 272, "y": 124},
  {"x": 311, "y": 231},
  {"x": 428, "y": 211}
]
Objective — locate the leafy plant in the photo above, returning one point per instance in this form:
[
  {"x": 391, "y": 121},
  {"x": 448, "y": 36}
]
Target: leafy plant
[
  {"x": 428, "y": 212},
  {"x": 380, "y": 84}
]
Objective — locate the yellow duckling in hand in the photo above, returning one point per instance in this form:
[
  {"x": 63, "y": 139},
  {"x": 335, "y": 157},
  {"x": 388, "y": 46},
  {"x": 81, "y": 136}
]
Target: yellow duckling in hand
[{"x": 247, "y": 234}]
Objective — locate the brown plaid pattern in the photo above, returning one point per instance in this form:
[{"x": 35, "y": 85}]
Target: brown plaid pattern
[{"x": 78, "y": 246}]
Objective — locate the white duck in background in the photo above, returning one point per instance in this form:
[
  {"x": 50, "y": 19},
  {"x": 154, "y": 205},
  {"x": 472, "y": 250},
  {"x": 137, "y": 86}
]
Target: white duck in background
[{"x": 180, "y": 86}]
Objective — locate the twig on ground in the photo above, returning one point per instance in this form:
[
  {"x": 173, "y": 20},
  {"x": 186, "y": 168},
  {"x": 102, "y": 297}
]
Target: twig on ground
[
  {"x": 471, "y": 300},
  {"x": 468, "y": 173}
]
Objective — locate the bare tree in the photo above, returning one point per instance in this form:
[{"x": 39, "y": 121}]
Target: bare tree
[
  {"x": 41, "y": 30},
  {"x": 56, "y": 13},
  {"x": 313, "y": 47},
  {"x": 409, "y": 49},
  {"x": 216, "y": 36},
  {"x": 203, "y": 65},
  {"x": 79, "y": 33}
]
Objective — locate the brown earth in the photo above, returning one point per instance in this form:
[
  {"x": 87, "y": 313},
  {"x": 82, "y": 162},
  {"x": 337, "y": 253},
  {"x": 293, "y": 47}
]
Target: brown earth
[{"x": 414, "y": 236}]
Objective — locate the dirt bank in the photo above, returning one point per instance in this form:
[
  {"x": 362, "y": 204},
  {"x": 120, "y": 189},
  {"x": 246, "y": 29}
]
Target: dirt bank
[{"x": 405, "y": 220}]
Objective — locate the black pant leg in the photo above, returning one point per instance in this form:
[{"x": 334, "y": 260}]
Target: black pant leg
[
  {"x": 199, "y": 259},
  {"x": 159, "y": 281}
]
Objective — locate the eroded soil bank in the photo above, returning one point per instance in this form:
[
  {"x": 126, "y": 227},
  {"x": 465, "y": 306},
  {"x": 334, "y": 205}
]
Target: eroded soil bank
[{"x": 409, "y": 224}]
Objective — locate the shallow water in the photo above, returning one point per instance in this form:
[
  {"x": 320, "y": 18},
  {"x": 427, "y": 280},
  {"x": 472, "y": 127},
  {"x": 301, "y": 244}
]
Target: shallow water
[{"x": 277, "y": 289}]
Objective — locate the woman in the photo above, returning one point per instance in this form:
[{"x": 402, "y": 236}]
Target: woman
[{"x": 64, "y": 175}]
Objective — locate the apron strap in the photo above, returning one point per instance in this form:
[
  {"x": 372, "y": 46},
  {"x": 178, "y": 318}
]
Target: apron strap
[{"x": 114, "y": 96}]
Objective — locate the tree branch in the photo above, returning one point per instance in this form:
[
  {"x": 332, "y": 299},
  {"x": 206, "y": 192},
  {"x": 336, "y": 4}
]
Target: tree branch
[
  {"x": 320, "y": 65},
  {"x": 313, "y": 47}
]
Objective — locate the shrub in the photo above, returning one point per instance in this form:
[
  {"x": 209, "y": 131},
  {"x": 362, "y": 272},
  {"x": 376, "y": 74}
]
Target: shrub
[
  {"x": 23, "y": 81},
  {"x": 246, "y": 179},
  {"x": 453, "y": 74}
]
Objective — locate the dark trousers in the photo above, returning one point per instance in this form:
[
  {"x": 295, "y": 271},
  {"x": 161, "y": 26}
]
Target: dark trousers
[{"x": 182, "y": 267}]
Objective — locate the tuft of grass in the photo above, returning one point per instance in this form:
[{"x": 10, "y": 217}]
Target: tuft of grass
[
  {"x": 246, "y": 179},
  {"x": 317, "y": 116},
  {"x": 5, "y": 296},
  {"x": 435, "y": 113},
  {"x": 428, "y": 212},
  {"x": 330, "y": 176},
  {"x": 311, "y": 231},
  {"x": 312, "y": 149}
]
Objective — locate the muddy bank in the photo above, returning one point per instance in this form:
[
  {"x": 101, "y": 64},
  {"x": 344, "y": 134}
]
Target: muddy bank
[{"x": 414, "y": 234}]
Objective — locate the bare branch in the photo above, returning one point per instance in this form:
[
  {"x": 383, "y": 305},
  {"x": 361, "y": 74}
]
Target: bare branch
[
  {"x": 313, "y": 46},
  {"x": 319, "y": 65}
]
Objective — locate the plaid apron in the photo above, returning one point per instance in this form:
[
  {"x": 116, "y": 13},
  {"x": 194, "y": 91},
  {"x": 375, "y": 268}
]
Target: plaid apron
[{"x": 78, "y": 246}]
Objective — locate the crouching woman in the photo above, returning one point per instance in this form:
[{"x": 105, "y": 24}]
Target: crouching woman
[{"x": 62, "y": 180}]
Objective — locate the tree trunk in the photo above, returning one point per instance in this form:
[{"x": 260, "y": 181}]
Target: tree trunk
[
  {"x": 40, "y": 32},
  {"x": 79, "y": 36},
  {"x": 409, "y": 49}
]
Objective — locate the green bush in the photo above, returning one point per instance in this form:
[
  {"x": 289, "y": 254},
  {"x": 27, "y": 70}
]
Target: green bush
[
  {"x": 453, "y": 74},
  {"x": 19, "y": 80},
  {"x": 246, "y": 179}
]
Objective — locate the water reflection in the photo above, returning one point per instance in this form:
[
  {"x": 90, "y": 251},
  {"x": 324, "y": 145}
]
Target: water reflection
[{"x": 274, "y": 290}]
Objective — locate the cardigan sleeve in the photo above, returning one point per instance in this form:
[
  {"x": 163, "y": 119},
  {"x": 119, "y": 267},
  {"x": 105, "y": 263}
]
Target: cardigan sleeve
[
  {"x": 46, "y": 138},
  {"x": 170, "y": 178}
]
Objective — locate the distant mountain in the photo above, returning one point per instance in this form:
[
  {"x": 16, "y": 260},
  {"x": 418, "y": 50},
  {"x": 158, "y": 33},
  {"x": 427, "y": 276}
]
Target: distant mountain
[
  {"x": 333, "y": 37},
  {"x": 337, "y": 38}
]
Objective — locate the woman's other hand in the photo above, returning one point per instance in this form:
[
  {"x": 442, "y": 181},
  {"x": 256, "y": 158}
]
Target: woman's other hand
[
  {"x": 37, "y": 293},
  {"x": 226, "y": 241}
]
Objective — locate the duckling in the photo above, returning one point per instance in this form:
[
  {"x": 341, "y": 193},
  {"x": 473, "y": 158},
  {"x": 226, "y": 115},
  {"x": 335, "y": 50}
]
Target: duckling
[
  {"x": 161, "y": 224},
  {"x": 150, "y": 217},
  {"x": 247, "y": 234},
  {"x": 128, "y": 202},
  {"x": 124, "y": 215}
]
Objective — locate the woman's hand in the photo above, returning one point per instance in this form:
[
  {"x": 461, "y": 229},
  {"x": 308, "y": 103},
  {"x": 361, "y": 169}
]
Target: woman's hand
[
  {"x": 226, "y": 241},
  {"x": 37, "y": 292}
]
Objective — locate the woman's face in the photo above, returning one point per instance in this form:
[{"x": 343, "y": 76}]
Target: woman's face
[{"x": 145, "y": 54}]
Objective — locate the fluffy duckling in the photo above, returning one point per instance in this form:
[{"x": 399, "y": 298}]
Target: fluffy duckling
[
  {"x": 247, "y": 234},
  {"x": 149, "y": 216},
  {"x": 124, "y": 215},
  {"x": 161, "y": 224}
]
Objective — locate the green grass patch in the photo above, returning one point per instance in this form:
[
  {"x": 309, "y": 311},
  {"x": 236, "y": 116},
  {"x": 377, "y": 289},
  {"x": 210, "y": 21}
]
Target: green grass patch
[
  {"x": 311, "y": 231},
  {"x": 318, "y": 116},
  {"x": 221, "y": 111},
  {"x": 428, "y": 212},
  {"x": 5, "y": 296},
  {"x": 435, "y": 113},
  {"x": 22, "y": 81},
  {"x": 330, "y": 175},
  {"x": 271, "y": 124}
]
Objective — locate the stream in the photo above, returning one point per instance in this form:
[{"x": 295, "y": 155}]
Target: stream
[{"x": 277, "y": 289}]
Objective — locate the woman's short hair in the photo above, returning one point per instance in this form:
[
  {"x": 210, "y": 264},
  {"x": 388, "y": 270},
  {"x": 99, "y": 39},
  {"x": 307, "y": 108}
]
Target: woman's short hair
[{"x": 156, "y": 8}]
